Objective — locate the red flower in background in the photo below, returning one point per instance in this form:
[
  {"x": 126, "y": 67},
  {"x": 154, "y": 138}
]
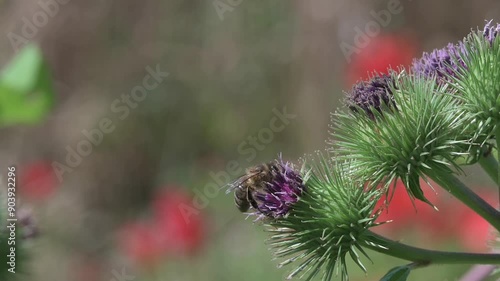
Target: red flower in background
[
  {"x": 176, "y": 229},
  {"x": 382, "y": 52},
  {"x": 403, "y": 212},
  {"x": 474, "y": 232},
  {"x": 37, "y": 181},
  {"x": 179, "y": 221},
  {"x": 454, "y": 220},
  {"x": 141, "y": 243}
]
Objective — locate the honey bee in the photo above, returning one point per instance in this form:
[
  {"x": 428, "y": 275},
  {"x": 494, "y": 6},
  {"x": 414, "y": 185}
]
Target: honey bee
[{"x": 254, "y": 180}]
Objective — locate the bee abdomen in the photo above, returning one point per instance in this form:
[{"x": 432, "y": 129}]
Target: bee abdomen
[{"x": 240, "y": 199}]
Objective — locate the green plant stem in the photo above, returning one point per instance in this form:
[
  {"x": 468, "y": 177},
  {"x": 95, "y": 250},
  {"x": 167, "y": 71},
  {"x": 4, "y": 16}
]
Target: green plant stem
[
  {"x": 490, "y": 166},
  {"x": 454, "y": 186},
  {"x": 497, "y": 137},
  {"x": 421, "y": 256}
]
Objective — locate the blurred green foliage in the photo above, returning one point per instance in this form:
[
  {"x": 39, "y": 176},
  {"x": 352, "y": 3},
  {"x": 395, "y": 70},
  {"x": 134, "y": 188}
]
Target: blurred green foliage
[{"x": 26, "y": 93}]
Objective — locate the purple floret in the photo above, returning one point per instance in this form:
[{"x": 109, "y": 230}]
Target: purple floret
[
  {"x": 371, "y": 94},
  {"x": 282, "y": 192},
  {"x": 490, "y": 31},
  {"x": 440, "y": 63},
  {"x": 446, "y": 62}
]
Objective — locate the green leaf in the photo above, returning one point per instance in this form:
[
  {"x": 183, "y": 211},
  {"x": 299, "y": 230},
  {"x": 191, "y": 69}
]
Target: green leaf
[
  {"x": 413, "y": 186},
  {"x": 26, "y": 92},
  {"x": 399, "y": 273}
]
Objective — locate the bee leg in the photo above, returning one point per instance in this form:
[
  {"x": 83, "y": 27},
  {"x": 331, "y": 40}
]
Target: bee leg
[{"x": 251, "y": 200}]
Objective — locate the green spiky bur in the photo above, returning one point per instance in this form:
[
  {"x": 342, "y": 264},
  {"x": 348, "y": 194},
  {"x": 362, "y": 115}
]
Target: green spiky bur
[
  {"x": 325, "y": 224},
  {"x": 477, "y": 83},
  {"x": 424, "y": 135}
]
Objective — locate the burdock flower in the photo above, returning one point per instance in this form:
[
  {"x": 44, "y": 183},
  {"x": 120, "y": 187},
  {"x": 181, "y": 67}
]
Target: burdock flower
[
  {"x": 37, "y": 181},
  {"x": 169, "y": 232},
  {"x": 281, "y": 192},
  {"x": 423, "y": 137},
  {"x": 440, "y": 63},
  {"x": 382, "y": 52},
  {"x": 371, "y": 94},
  {"x": 326, "y": 224},
  {"x": 448, "y": 61},
  {"x": 477, "y": 84}
]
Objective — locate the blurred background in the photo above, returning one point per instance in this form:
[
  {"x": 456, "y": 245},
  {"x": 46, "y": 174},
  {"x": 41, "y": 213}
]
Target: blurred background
[{"x": 160, "y": 103}]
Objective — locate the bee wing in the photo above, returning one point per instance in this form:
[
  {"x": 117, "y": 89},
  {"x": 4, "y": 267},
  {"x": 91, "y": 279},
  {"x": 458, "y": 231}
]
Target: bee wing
[{"x": 235, "y": 184}]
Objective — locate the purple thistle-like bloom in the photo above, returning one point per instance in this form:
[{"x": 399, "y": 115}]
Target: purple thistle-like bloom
[
  {"x": 440, "y": 63},
  {"x": 371, "y": 94},
  {"x": 490, "y": 31},
  {"x": 281, "y": 193}
]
